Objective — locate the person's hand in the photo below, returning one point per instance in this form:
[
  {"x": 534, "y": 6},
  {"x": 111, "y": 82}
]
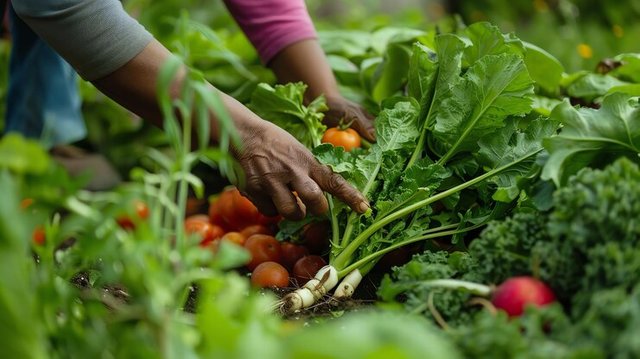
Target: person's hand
[
  {"x": 275, "y": 164},
  {"x": 341, "y": 109}
]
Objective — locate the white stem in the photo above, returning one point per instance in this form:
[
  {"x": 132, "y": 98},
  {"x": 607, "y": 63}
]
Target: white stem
[
  {"x": 312, "y": 291},
  {"x": 348, "y": 285}
]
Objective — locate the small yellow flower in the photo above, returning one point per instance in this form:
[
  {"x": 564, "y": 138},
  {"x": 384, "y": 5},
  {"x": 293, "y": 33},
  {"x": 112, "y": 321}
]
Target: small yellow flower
[
  {"x": 585, "y": 51},
  {"x": 618, "y": 31},
  {"x": 540, "y": 5}
]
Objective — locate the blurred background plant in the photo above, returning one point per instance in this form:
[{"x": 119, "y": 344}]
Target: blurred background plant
[{"x": 578, "y": 32}]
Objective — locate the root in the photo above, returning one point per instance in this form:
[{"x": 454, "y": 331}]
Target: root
[
  {"x": 347, "y": 287},
  {"x": 436, "y": 314},
  {"x": 310, "y": 293},
  {"x": 485, "y": 303}
]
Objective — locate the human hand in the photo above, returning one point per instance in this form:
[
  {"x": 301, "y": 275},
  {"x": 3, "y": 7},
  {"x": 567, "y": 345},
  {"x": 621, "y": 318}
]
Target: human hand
[
  {"x": 341, "y": 109},
  {"x": 276, "y": 164}
]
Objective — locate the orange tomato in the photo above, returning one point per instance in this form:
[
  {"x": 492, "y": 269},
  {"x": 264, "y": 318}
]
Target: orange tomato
[{"x": 347, "y": 138}]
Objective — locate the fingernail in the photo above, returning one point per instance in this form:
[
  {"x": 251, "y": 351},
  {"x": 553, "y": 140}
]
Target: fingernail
[{"x": 363, "y": 207}]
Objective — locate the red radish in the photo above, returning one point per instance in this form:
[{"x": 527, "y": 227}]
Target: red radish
[{"x": 516, "y": 293}]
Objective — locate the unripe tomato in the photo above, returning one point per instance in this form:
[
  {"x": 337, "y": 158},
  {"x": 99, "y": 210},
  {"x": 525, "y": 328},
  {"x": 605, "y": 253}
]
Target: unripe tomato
[
  {"x": 347, "y": 138},
  {"x": 263, "y": 248},
  {"x": 270, "y": 274}
]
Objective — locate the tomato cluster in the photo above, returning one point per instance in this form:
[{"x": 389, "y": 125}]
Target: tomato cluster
[{"x": 234, "y": 218}]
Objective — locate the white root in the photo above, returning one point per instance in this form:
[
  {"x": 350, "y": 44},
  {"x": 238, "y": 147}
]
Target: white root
[
  {"x": 348, "y": 286},
  {"x": 312, "y": 291}
]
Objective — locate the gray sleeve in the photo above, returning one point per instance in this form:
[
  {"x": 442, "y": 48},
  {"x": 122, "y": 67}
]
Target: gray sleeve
[{"x": 95, "y": 36}]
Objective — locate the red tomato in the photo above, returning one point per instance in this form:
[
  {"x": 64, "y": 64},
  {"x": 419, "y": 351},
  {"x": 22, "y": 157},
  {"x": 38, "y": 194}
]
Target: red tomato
[
  {"x": 199, "y": 224},
  {"x": 255, "y": 229},
  {"x": 38, "y": 236},
  {"x": 347, "y": 138},
  {"x": 307, "y": 267},
  {"x": 270, "y": 274},
  {"x": 235, "y": 237},
  {"x": 291, "y": 253},
  {"x": 244, "y": 213},
  {"x": 267, "y": 220},
  {"x": 127, "y": 220},
  {"x": 316, "y": 237},
  {"x": 263, "y": 248}
]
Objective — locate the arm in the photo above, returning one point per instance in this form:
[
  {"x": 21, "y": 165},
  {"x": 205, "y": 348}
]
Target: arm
[
  {"x": 274, "y": 162},
  {"x": 283, "y": 34}
]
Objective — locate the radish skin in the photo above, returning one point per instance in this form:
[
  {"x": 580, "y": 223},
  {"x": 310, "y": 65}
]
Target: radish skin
[
  {"x": 348, "y": 285},
  {"x": 311, "y": 292}
]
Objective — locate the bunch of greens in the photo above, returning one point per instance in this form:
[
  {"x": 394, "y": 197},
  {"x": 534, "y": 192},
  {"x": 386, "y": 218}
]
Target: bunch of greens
[{"x": 586, "y": 248}]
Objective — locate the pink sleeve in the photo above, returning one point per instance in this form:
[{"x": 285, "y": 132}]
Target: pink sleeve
[{"x": 272, "y": 25}]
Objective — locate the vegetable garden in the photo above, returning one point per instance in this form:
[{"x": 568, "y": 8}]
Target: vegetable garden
[{"x": 504, "y": 190}]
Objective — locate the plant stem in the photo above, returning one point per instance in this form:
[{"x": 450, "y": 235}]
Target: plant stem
[
  {"x": 475, "y": 288},
  {"x": 344, "y": 258},
  {"x": 429, "y": 234},
  {"x": 353, "y": 216}
]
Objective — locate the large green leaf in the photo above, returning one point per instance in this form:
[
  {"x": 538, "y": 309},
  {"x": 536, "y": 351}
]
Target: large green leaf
[
  {"x": 495, "y": 87},
  {"x": 508, "y": 145},
  {"x": 545, "y": 70},
  {"x": 592, "y": 137}
]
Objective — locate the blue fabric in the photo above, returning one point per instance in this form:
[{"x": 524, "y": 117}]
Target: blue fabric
[{"x": 43, "y": 100}]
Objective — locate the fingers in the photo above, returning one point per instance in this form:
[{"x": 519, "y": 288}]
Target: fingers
[
  {"x": 339, "y": 187},
  {"x": 284, "y": 200},
  {"x": 311, "y": 195},
  {"x": 363, "y": 124},
  {"x": 264, "y": 204}
]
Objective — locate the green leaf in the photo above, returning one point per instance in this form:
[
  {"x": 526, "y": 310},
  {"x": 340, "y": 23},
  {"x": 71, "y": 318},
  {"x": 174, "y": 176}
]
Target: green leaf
[
  {"x": 423, "y": 67},
  {"x": 373, "y": 335},
  {"x": 592, "y": 137},
  {"x": 22, "y": 156},
  {"x": 591, "y": 86},
  {"x": 545, "y": 70},
  {"x": 488, "y": 40},
  {"x": 283, "y": 105},
  {"x": 509, "y": 145},
  {"x": 630, "y": 68},
  {"x": 495, "y": 87},
  {"x": 392, "y": 72}
]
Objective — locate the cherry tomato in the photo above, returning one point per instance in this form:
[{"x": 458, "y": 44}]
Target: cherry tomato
[
  {"x": 316, "y": 237},
  {"x": 307, "y": 267},
  {"x": 291, "y": 253},
  {"x": 270, "y": 274},
  {"x": 38, "y": 236},
  {"x": 347, "y": 138},
  {"x": 127, "y": 220},
  {"x": 199, "y": 224},
  {"x": 263, "y": 248},
  {"x": 142, "y": 210},
  {"x": 255, "y": 229},
  {"x": 235, "y": 237}
]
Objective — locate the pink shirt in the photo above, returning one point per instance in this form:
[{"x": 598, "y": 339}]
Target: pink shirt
[{"x": 272, "y": 25}]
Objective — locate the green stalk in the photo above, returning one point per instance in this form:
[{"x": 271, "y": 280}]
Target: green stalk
[
  {"x": 475, "y": 288},
  {"x": 348, "y": 230},
  {"x": 343, "y": 259},
  {"x": 423, "y": 134},
  {"x": 429, "y": 234}
]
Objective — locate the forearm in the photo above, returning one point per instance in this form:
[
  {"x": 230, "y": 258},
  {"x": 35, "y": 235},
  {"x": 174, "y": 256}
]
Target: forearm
[{"x": 305, "y": 61}]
